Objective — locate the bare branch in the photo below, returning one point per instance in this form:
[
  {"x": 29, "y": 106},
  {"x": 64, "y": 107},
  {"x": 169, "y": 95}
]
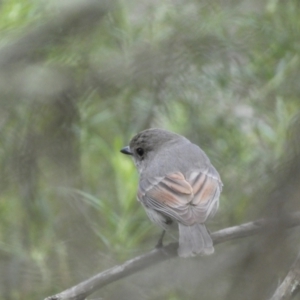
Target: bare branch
[
  {"x": 291, "y": 283},
  {"x": 255, "y": 227},
  {"x": 85, "y": 288}
]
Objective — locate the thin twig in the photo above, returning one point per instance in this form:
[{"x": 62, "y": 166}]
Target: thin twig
[
  {"x": 291, "y": 283},
  {"x": 89, "y": 286}
]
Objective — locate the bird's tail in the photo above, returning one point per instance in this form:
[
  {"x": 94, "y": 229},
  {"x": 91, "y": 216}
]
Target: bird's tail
[{"x": 194, "y": 240}]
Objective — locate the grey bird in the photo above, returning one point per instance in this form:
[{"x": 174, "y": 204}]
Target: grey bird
[{"x": 177, "y": 184}]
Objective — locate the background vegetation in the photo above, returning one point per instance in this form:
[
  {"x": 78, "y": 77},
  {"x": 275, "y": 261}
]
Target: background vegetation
[{"x": 79, "y": 79}]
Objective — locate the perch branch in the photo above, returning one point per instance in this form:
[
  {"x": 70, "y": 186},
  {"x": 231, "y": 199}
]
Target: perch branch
[{"x": 89, "y": 286}]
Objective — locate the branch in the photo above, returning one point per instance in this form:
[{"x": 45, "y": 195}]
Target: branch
[
  {"x": 89, "y": 286},
  {"x": 291, "y": 283}
]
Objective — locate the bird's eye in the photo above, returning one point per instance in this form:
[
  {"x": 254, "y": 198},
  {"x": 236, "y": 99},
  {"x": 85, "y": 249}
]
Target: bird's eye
[{"x": 140, "y": 151}]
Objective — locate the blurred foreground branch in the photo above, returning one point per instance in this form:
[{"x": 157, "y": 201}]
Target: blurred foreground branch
[
  {"x": 78, "y": 15},
  {"x": 85, "y": 288},
  {"x": 291, "y": 283}
]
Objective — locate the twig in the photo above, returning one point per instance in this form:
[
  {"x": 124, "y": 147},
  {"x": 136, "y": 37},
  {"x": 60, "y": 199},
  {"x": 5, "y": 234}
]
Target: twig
[
  {"x": 85, "y": 288},
  {"x": 291, "y": 283}
]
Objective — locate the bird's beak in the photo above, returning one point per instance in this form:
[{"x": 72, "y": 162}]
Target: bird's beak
[{"x": 126, "y": 150}]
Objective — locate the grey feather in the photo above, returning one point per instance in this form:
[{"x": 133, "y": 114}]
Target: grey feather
[
  {"x": 194, "y": 240},
  {"x": 177, "y": 183}
]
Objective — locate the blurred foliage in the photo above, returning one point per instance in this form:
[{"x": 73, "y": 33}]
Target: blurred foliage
[{"x": 223, "y": 73}]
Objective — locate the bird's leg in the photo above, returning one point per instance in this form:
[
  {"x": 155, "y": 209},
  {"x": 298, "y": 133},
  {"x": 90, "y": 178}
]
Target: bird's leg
[{"x": 160, "y": 240}]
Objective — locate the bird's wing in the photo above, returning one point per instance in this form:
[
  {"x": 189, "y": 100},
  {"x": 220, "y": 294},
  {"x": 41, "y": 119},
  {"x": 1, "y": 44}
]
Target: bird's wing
[{"x": 188, "y": 199}]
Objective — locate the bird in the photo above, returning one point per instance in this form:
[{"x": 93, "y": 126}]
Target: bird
[{"x": 177, "y": 185}]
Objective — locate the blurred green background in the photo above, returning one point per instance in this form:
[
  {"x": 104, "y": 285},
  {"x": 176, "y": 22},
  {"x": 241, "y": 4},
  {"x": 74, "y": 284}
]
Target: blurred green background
[{"x": 79, "y": 78}]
